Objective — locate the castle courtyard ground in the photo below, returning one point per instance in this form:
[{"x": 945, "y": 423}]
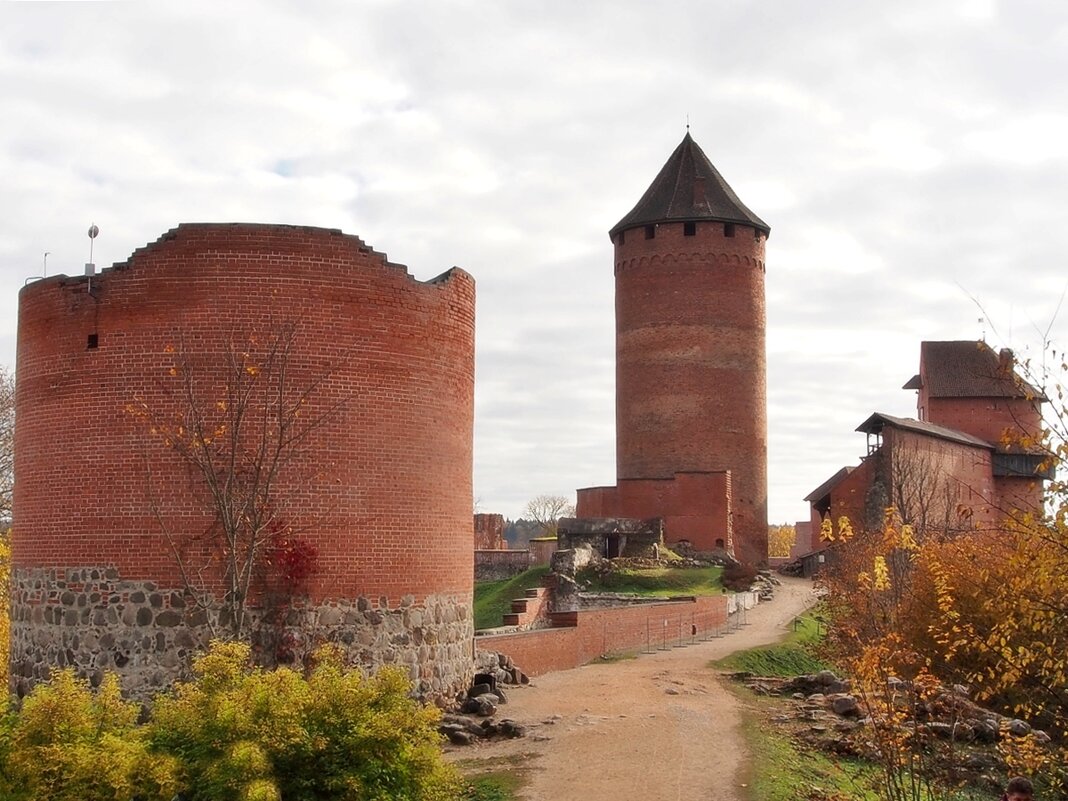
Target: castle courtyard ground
[{"x": 661, "y": 726}]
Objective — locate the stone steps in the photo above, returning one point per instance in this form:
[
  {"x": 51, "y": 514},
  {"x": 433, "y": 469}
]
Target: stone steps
[{"x": 529, "y": 608}]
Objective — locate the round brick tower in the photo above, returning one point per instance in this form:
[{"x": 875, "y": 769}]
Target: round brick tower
[
  {"x": 115, "y": 553},
  {"x": 690, "y": 357}
]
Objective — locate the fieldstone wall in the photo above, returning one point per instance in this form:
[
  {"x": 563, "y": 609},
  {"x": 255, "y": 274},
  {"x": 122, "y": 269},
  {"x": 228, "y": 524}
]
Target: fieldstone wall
[
  {"x": 500, "y": 565},
  {"x": 93, "y": 620}
]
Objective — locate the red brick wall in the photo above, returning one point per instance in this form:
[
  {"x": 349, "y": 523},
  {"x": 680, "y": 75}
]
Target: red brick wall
[
  {"x": 690, "y": 364},
  {"x": 986, "y": 418},
  {"x": 585, "y": 635},
  {"x": 693, "y": 506},
  {"x": 940, "y": 475},
  {"x": 1002, "y": 422},
  {"x": 849, "y": 497},
  {"x": 388, "y": 504},
  {"x": 489, "y": 532},
  {"x": 807, "y": 540},
  {"x": 1014, "y": 494}
]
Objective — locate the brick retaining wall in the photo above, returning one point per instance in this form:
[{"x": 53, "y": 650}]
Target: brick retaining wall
[{"x": 579, "y": 637}]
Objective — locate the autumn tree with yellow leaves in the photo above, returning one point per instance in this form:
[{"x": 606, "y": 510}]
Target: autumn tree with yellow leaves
[
  {"x": 987, "y": 609},
  {"x": 781, "y": 539}
]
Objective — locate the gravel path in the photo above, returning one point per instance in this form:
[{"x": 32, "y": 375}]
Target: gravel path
[{"x": 661, "y": 726}]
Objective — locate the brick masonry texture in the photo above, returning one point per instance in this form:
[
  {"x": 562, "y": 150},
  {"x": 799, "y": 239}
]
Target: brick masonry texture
[
  {"x": 957, "y": 475},
  {"x": 695, "y": 507},
  {"x": 489, "y": 532},
  {"x": 580, "y": 636},
  {"x": 387, "y": 507},
  {"x": 691, "y": 385}
]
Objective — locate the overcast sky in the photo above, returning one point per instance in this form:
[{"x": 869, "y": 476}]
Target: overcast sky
[{"x": 911, "y": 159}]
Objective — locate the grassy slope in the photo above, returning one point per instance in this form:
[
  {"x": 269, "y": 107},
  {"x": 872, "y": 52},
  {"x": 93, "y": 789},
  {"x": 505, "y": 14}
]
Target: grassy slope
[
  {"x": 660, "y": 582},
  {"x": 493, "y": 599},
  {"x": 791, "y": 657},
  {"x": 782, "y": 768}
]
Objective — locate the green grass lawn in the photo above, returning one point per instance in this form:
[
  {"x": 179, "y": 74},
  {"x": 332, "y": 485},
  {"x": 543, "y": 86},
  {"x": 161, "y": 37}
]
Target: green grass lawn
[
  {"x": 493, "y": 599},
  {"x": 660, "y": 582},
  {"x": 783, "y": 769},
  {"x": 501, "y": 786},
  {"x": 791, "y": 657}
]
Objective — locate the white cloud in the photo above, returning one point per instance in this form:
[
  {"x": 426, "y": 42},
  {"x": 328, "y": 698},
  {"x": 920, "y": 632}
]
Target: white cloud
[{"x": 899, "y": 151}]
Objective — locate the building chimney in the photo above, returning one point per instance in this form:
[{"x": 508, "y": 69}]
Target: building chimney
[{"x": 1006, "y": 361}]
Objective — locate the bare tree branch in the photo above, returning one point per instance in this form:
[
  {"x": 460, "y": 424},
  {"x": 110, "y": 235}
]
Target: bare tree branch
[
  {"x": 546, "y": 511},
  {"x": 237, "y": 426}
]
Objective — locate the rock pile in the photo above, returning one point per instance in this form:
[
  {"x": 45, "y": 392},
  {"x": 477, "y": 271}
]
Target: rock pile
[
  {"x": 794, "y": 568},
  {"x": 472, "y": 719},
  {"x": 764, "y": 585},
  {"x": 500, "y": 667},
  {"x": 826, "y": 712}
]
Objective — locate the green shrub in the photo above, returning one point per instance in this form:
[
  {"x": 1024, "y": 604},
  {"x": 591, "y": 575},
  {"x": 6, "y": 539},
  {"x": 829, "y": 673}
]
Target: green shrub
[
  {"x": 243, "y": 734},
  {"x": 71, "y": 744}
]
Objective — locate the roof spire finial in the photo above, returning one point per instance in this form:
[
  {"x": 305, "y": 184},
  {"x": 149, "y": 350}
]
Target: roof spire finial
[{"x": 687, "y": 122}]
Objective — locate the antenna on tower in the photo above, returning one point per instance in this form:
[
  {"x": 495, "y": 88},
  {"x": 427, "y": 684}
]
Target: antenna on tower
[
  {"x": 93, "y": 232},
  {"x": 46, "y": 254},
  {"x": 982, "y": 329}
]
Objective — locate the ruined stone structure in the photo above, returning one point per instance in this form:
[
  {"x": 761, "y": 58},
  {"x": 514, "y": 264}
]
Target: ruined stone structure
[
  {"x": 489, "y": 532},
  {"x": 691, "y": 419},
  {"x": 386, "y": 509},
  {"x": 965, "y": 463},
  {"x": 611, "y": 537}
]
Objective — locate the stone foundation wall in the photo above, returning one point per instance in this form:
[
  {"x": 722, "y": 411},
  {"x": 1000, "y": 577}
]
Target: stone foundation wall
[
  {"x": 500, "y": 565},
  {"x": 93, "y": 620}
]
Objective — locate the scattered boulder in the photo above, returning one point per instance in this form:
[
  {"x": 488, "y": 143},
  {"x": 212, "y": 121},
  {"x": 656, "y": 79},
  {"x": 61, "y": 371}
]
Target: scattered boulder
[
  {"x": 1018, "y": 728},
  {"x": 985, "y": 731},
  {"x": 484, "y": 705},
  {"x": 458, "y": 736},
  {"x": 943, "y": 731},
  {"x": 846, "y": 706},
  {"x": 509, "y": 728}
]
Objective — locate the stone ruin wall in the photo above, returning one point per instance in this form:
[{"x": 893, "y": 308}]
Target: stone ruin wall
[{"x": 489, "y": 532}]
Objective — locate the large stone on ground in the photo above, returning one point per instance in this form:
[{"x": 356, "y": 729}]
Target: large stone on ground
[
  {"x": 481, "y": 705},
  {"x": 846, "y": 706}
]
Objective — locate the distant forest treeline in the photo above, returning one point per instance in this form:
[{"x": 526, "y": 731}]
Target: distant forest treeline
[{"x": 518, "y": 533}]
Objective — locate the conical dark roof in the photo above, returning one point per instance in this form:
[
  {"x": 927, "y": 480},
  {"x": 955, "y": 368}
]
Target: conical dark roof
[{"x": 689, "y": 188}]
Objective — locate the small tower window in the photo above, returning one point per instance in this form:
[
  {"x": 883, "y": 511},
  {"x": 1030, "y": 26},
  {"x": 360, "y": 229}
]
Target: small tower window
[
  {"x": 92, "y": 342},
  {"x": 650, "y": 231},
  {"x": 728, "y": 229},
  {"x": 689, "y": 228},
  {"x": 622, "y": 234}
]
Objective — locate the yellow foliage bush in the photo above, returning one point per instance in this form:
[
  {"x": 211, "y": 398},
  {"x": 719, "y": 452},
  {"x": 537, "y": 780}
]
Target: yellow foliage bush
[{"x": 232, "y": 733}]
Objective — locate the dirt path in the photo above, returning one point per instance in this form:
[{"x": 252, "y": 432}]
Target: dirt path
[{"x": 653, "y": 728}]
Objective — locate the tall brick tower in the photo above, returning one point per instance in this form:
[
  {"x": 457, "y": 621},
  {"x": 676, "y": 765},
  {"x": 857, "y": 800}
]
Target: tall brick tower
[{"x": 691, "y": 386}]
